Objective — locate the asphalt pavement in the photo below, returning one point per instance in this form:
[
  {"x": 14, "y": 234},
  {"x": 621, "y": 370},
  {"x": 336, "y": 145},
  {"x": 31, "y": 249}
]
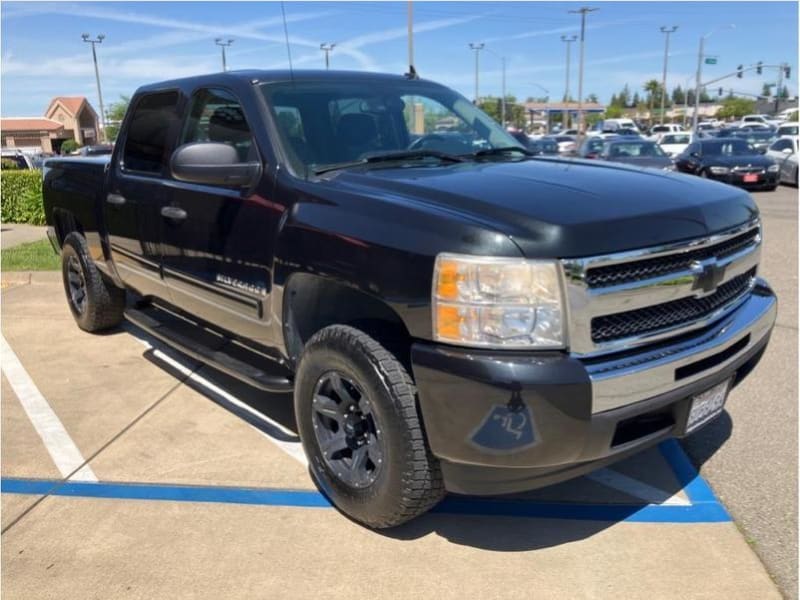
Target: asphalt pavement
[{"x": 749, "y": 455}]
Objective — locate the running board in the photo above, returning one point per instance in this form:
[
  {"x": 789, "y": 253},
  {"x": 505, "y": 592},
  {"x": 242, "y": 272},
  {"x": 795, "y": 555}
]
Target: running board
[{"x": 217, "y": 359}]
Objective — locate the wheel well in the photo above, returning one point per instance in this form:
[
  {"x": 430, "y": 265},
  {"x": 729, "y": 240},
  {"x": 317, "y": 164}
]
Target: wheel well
[
  {"x": 312, "y": 303},
  {"x": 64, "y": 223}
]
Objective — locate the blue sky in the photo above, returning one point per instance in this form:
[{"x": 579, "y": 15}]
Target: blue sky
[{"x": 43, "y": 55}]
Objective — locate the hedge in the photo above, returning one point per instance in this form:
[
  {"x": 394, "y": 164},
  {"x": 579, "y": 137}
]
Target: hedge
[{"x": 21, "y": 197}]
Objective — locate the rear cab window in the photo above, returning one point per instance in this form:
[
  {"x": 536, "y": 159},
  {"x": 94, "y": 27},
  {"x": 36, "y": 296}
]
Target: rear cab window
[{"x": 147, "y": 140}]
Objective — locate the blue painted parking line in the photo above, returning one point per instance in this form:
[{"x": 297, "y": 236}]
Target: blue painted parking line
[{"x": 704, "y": 507}]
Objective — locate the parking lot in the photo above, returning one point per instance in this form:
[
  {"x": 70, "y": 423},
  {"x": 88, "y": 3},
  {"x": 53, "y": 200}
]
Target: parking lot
[{"x": 130, "y": 471}]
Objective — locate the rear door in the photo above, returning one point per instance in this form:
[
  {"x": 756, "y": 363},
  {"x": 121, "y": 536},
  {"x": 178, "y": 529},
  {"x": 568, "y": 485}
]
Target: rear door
[
  {"x": 136, "y": 191},
  {"x": 217, "y": 257}
]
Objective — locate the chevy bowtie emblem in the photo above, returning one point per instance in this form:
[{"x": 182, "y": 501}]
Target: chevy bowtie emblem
[{"x": 708, "y": 275}]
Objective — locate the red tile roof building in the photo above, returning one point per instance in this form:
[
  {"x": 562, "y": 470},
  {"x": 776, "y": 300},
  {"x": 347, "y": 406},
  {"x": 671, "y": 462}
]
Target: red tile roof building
[{"x": 66, "y": 117}]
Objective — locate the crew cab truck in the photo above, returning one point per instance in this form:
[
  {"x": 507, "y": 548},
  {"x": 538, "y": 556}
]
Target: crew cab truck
[{"x": 448, "y": 312}]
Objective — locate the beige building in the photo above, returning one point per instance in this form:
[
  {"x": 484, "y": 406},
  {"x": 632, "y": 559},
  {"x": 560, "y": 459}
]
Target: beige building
[{"x": 66, "y": 118}]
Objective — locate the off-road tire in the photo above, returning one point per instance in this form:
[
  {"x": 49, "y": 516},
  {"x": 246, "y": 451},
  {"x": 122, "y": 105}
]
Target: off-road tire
[
  {"x": 409, "y": 482},
  {"x": 104, "y": 302}
]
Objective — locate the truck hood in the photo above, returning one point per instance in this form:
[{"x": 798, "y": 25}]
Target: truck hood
[{"x": 563, "y": 208}]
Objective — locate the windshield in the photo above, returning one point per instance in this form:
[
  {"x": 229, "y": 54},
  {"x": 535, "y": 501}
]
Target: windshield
[
  {"x": 675, "y": 139},
  {"x": 727, "y": 148},
  {"x": 324, "y": 123},
  {"x": 787, "y": 130},
  {"x": 634, "y": 149}
]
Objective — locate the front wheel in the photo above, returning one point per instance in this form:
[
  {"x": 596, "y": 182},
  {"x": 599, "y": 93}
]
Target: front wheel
[{"x": 357, "y": 416}]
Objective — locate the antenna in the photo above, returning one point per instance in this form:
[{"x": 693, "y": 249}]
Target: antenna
[{"x": 288, "y": 47}]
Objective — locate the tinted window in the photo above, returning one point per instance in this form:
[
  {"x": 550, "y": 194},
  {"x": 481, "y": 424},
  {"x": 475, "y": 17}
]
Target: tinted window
[
  {"x": 781, "y": 145},
  {"x": 787, "y": 130},
  {"x": 727, "y": 148},
  {"x": 217, "y": 116},
  {"x": 150, "y": 124},
  {"x": 633, "y": 149},
  {"x": 675, "y": 139}
]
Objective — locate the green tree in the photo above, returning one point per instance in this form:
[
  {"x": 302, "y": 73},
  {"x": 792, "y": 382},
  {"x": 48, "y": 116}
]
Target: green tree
[
  {"x": 652, "y": 88},
  {"x": 678, "y": 95},
  {"x": 114, "y": 116},
  {"x": 69, "y": 146},
  {"x": 736, "y": 107},
  {"x": 592, "y": 98},
  {"x": 766, "y": 90},
  {"x": 613, "y": 111},
  {"x": 784, "y": 92}
]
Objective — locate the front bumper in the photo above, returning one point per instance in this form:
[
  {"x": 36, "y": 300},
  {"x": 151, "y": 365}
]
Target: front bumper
[
  {"x": 503, "y": 422},
  {"x": 766, "y": 179}
]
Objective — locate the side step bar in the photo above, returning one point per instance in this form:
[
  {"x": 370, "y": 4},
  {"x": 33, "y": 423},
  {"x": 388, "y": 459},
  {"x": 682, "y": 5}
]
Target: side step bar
[{"x": 221, "y": 361}]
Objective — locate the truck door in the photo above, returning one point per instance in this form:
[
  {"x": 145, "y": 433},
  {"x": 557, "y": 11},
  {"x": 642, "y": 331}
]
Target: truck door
[
  {"x": 217, "y": 240},
  {"x": 136, "y": 191}
]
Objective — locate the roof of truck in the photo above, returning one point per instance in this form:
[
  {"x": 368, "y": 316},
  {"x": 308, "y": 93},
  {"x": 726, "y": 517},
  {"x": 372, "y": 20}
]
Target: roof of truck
[{"x": 263, "y": 76}]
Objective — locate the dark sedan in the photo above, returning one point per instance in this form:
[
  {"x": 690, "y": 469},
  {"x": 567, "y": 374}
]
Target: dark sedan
[
  {"x": 730, "y": 160},
  {"x": 758, "y": 139},
  {"x": 539, "y": 147},
  {"x": 592, "y": 146},
  {"x": 637, "y": 152}
]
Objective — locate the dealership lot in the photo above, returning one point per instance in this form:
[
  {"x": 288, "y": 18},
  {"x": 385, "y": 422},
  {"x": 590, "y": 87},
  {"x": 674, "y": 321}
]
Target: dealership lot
[{"x": 180, "y": 481}]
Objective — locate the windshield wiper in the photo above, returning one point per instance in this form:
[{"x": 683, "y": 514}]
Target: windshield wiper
[
  {"x": 388, "y": 157},
  {"x": 502, "y": 150}
]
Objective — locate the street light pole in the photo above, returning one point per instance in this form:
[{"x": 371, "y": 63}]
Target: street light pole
[
  {"x": 223, "y": 45},
  {"x": 98, "y": 40},
  {"x": 565, "y": 115},
  {"x": 668, "y": 32},
  {"x": 477, "y": 48},
  {"x": 583, "y": 11},
  {"x": 700, "y": 73},
  {"x": 327, "y": 49}
]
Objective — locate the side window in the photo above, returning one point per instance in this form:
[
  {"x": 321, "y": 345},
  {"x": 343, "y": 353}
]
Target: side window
[
  {"x": 146, "y": 141},
  {"x": 217, "y": 116},
  {"x": 781, "y": 144}
]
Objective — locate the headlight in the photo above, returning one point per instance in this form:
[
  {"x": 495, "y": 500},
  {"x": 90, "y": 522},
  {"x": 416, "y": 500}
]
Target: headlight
[
  {"x": 773, "y": 168},
  {"x": 497, "y": 302},
  {"x": 719, "y": 170}
]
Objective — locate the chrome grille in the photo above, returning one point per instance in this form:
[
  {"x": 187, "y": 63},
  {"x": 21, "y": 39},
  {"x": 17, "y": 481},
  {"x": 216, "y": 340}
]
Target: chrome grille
[
  {"x": 633, "y": 298},
  {"x": 654, "y": 267},
  {"x": 669, "y": 314}
]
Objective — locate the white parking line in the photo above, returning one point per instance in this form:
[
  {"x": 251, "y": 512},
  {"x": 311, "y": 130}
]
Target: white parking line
[
  {"x": 59, "y": 445},
  {"x": 634, "y": 487},
  {"x": 293, "y": 449}
]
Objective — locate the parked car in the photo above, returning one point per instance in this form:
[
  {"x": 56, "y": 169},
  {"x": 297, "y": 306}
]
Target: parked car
[
  {"x": 730, "y": 160},
  {"x": 543, "y": 147},
  {"x": 19, "y": 158},
  {"x": 479, "y": 323},
  {"x": 566, "y": 143},
  {"x": 788, "y": 128},
  {"x": 757, "y": 127},
  {"x": 784, "y": 152},
  {"x": 614, "y": 124},
  {"x": 763, "y": 119},
  {"x": 675, "y": 143},
  {"x": 638, "y": 152},
  {"x": 657, "y": 131},
  {"x": 591, "y": 147},
  {"x": 760, "y": 140}
]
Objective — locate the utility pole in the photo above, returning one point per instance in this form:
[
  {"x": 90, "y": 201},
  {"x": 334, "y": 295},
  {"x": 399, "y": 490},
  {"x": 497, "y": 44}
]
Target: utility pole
[
  {"x": 700, "y": 73},
  {"x": 223, "y": 45},
  {"x": 503, "y": 86},
  {"x": 477, "y": 48},
  {"x": 583, "y": 11},
  {"x": 668, "y": 32},
  {"x": 778, "y": 89},
  {"x": 327, "y": 49},
  {"x": 98, "y": 40},
  {"x": 565, "y": 116}
]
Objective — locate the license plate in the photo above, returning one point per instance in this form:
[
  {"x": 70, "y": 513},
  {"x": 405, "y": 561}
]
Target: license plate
[
  {"x": 707, "y": 405},
  {"x": 751, "y": 178}
]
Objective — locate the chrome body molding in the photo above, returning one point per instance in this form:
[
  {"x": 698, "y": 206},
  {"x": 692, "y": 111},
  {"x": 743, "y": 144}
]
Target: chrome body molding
[
  {"x": 631, "y": 378},
  {"x": 697, "y": 279}
]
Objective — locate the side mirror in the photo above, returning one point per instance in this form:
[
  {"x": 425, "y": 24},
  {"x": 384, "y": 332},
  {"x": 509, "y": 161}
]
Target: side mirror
[
  {"x": 212, "y": 163},
  {"x": 694, "y": 154},
  {"x": 787, "y": 151},
  {"x": 762, "y": 150}
]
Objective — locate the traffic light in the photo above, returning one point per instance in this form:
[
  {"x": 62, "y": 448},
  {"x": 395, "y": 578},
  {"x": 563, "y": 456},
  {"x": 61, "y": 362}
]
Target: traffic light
[
  {"x": 787, "y": 71},
  {"x": 739, "y": 71},
  {"x": 719, "y": 92},
  {"x": 758, "y": 67}
]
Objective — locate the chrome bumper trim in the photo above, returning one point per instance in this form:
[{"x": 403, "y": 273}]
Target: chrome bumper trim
[{"x": 619, "y": 382}]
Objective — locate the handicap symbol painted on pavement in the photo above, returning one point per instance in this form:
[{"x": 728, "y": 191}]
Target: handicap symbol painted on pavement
[{"x": 506, "y": 427}]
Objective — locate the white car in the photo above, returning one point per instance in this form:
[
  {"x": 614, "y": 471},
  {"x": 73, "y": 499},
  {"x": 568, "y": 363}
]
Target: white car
[
  {"x": 788, "y": 128},
  {"x": 675, "y": 143},
  {"x": 764, "y": 119},
  {"x": 784, "y": 152},
  {"x": 657, "y": 131}
]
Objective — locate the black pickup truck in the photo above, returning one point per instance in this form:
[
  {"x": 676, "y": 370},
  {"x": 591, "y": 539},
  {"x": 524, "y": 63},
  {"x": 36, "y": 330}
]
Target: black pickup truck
[{"x": 449, "y": 312}]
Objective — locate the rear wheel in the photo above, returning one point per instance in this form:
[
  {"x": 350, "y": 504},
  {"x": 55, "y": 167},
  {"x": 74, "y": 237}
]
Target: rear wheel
[
  {"x": 357, "y": 416},
  {"x": 95, "y": 302}
]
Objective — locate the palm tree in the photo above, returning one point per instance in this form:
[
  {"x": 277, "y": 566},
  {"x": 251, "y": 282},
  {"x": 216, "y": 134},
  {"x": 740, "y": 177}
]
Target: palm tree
[{"x": 652, "y": 87}]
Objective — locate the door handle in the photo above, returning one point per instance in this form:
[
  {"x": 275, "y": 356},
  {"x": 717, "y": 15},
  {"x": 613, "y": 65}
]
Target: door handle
[
  {"x": 173, "y": 212},
  {"x": 115, "y": 199}
]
